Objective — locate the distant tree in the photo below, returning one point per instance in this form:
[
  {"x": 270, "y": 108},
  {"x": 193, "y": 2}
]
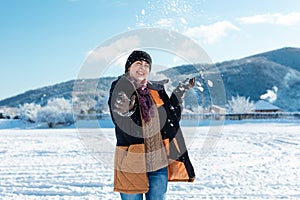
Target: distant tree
[
  {"x": 83, "y": 104},
  {"x": 58, "y": 111},
  {"x": 101, "y": 105},
  {"x": 28, "y": 112},
  {"x": 9, "y": 112},
  {"x": 240, "y": 104}
]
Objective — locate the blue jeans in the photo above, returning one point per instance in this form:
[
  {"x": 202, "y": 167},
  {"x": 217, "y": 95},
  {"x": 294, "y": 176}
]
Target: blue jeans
[{"x": 158, "y": 183}]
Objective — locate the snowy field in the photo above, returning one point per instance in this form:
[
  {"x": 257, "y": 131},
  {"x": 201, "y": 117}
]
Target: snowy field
[{"x": 246, "y": 161}]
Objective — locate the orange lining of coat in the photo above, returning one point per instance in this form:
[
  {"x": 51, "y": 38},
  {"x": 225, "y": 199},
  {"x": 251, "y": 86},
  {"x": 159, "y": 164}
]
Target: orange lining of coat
[{"x": 158, "y": 101}]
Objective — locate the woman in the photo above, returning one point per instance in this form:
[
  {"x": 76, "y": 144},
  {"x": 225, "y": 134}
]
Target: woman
[{"x": 150, "y": 149}]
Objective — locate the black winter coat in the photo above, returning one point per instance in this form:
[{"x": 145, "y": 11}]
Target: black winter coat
[{"x": 128, "y": 129}]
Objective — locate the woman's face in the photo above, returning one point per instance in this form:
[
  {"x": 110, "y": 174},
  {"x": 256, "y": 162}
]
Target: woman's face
[{"x": 139, "y": 70}]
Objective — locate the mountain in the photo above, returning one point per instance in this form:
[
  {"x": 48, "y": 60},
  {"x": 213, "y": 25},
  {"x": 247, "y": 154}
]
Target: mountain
[
  {"x": 288, "y": 56},
  {"x": 90, "y": 87},
  {"x": 250, "y": 77},
  {"x": 40, "y": 95},
  {"x": 255, "y": 75}
]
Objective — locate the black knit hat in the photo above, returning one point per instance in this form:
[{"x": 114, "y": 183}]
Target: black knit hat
[{"x": 137, "y": 56}]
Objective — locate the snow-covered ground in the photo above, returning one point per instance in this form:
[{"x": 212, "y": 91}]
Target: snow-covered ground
[{"x": 246, "y": 161}]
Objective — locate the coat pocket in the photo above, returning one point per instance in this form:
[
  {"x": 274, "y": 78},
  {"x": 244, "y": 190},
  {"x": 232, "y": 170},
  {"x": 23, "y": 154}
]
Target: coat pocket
[{"x": 130, "y": 169}]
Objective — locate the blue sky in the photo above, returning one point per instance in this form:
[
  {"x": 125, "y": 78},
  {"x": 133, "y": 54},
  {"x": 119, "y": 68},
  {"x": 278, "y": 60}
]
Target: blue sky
[{"x": 44, "y": 42}]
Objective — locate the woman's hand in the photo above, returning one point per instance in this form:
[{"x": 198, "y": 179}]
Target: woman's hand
[
  {"x": 189, "y": 83},
  {"x": 123, "y": 105},
  {"x": 185, "y": 86}
]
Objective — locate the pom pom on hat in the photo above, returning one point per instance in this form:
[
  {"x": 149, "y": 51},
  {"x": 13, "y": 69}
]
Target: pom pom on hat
[{"x": 137, "y": 55}]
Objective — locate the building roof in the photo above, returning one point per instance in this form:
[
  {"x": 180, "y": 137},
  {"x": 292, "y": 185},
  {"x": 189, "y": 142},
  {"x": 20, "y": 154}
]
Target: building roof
[{"x": 264, "y": 105}]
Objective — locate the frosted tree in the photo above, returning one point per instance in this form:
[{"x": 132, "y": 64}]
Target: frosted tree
[
  {"x": 83, "y": 104},
  {"x": 101, "y": 105},
  {"x": 240, "y": 104},
  {"x": 58, "y": 111},
  {"x": 28, "y": 112},
  {"x": 9, "y": 112}
]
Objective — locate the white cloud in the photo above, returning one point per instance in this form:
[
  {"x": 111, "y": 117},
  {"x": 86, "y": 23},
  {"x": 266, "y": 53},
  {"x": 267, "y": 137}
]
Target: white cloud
[
  {"x": 275, "y": 18},
  {"x": 113, "y": 50},
  {"x": 211, "y": 33},
  {"x": 120, "y": 61}
]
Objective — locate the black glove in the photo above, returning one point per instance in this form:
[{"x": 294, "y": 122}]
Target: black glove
[
  {"x": 185, "y": 86},
  {"x": 123, "y": 105}
]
